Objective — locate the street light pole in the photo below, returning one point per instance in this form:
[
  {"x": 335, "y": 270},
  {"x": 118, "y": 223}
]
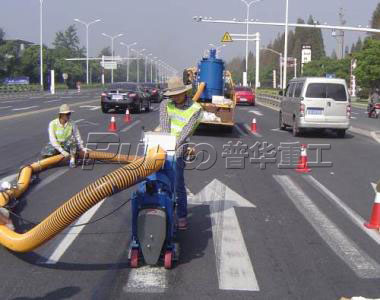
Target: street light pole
[
  {"x": 146, "y": 66},
  {"x": 128, "y": 55},
  {"x": 112, "y": 43},
  {"x": 286, "y": 45},
  {"x": 151, "y": 68},
  {"x": 280, "y": 57},
  {"x": 87, "y": 47},
  {"x": 246, "y": 44},
  {"x": 41, "y": 51},
  {"x": 138, "y": 62}
]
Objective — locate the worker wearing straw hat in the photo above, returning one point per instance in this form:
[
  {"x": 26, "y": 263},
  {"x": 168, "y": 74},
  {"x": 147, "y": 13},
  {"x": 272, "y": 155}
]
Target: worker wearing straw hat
[{"x": 180, "y": 117}]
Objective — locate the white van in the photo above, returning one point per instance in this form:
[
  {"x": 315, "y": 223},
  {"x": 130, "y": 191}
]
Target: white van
[{"x": 314, "y": 102}]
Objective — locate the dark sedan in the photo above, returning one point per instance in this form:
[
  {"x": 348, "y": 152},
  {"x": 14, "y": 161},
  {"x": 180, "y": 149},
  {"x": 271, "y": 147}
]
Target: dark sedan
[
  {"x": 154, "y": 91},
  {"x": 123, "y": 96}
]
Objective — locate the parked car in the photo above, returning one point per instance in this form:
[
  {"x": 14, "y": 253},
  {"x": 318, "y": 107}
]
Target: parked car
[
  {"x": 244, "y": 95},
  {"x": 123, "y": 96},
  {"x": 153, "y": 90},
  {"x": 316, "y": 103}
]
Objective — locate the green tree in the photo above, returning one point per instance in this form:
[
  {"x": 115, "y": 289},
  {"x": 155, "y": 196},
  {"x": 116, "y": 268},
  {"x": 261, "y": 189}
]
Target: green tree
[
  {"x": 368, "y": 64},
  {"x": 326, "y": 65},
  {"x": 29, "y": 63},
  {"x": 375, "y": 21}
]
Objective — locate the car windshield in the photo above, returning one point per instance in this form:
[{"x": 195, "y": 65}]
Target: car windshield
[
  {"x": 122, "y": 87},
  {"x": 241, "y": 89},
  {"x": 327, "y": 90}
]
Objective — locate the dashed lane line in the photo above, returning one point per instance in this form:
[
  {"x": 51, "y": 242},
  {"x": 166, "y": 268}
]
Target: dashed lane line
[
  {"x": 5, "y": 107},
  {"x": 359, "y": 261},
  {"x": 131, "y": 126},
  {"x": 15, "y": 116},
  {"x": 25, "y": 108},
  {"x": 355, "y": 218},
  {"x": 50, "y": 101}
]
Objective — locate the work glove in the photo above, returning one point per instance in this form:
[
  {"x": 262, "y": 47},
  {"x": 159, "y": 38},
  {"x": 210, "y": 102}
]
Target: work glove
[{"x": 65, "y": 154}]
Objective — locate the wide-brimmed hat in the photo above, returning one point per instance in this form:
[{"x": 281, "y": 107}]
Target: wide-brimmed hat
[
  {"x": 176, "y": 87},
  {"x": 65, "y": 109}
]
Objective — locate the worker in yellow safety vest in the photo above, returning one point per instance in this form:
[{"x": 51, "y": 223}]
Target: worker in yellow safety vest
[
  {"x": 180, "y": 116},
  {"x": 64, "y": 137}
]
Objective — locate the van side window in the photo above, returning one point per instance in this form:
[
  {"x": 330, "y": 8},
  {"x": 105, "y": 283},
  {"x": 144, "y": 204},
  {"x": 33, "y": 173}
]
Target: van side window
[
  {"x": 298, "y": 90},
  {"x": 290, "y": 91}
]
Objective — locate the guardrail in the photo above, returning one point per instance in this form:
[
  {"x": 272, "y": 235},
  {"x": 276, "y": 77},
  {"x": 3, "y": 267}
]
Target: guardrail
[{"x": 270, "y": 99}]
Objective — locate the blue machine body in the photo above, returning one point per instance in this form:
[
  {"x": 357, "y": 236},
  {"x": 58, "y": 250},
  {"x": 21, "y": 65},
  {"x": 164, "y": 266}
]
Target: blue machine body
[
  {"x": 211, "y": 71},
  {"x": 157, "y": 192}
]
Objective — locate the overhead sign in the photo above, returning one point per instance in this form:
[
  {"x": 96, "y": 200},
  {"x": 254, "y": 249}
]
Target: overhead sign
[
  {"x": 109, "y": 65},
  {"x": 226, "y": 38}
]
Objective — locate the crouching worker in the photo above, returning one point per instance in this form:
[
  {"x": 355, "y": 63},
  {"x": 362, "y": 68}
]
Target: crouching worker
[
  {"x": 180, "y": 116},
  {"x": 64, "y": 137}
]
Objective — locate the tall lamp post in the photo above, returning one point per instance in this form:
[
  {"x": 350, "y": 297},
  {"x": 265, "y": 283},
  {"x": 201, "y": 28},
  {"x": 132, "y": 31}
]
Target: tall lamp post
[
  {"x": 138, "y": 62},
  {"x": 87, "y": 48},
  {"x": 41, "y": 51},
  {"x": 112, "y": 43},
  {"x": 128, "y": 55},
  {"x": 279, "y": 54},
  {"x": 248, "y": 4},
  {"x": 146, "y": 61},
  {"x": 151, "y": 68},
  {"x": 286, "y": 45}
]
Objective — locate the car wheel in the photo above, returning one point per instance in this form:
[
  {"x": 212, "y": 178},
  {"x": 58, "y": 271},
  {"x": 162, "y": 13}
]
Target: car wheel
[
  {"x": 148, "y": 108},
  {"x": 104, "y": 109},
  {"x": 281, "y": 122},
  {"x": 139, "y": 107},
  {"x": 295, "y": 129},
  {"x": 341, "y": 133}
]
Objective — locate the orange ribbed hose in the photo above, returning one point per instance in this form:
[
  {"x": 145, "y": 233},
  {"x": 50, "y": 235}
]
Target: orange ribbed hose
[{"x": 63, "y": 216}]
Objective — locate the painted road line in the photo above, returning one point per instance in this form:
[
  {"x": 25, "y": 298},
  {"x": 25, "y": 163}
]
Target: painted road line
[
  {"x": 242, "y": 133},
  {"x": 15, "y": 116},
  {"x": 10, "y": 178},
  {"x": 353, "y": 118},
  {"x": 24, "y": 108},
  {"x": 147, "y": 279},
  {"x": 72, "y": 234},
  {"x": 11, "y": 101},
  {"x": 156, "y": 109},
  {"x": 279, "y": 130},
  {"x": 234, "y": 267},
  {"x": 5, "y": 107},
  {"x": 78, "y": 121},
  {"x": 256, "y": 112},
  {"x": 51, "y": 178},
  {"x": 355, "y": 218},
  {"x": 95, "y": 108},
  {"x": 376, "y": 136},
  {"x": 67, "y": 97},
  {"x": 131, "y": 126},
  {"x": 363, "y": 265},
  {"x": 246, "y": 126},
  {"x": 50, "y": 101}
]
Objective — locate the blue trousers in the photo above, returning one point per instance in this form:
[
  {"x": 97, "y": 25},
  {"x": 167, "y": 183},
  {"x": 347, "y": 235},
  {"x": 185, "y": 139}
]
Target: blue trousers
[{"x": 181, "y": 189}]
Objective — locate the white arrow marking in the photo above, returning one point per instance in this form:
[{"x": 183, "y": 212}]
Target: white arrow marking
[
  {"x": 256, "y": 112},
  {"x": 234, "y": 267}
]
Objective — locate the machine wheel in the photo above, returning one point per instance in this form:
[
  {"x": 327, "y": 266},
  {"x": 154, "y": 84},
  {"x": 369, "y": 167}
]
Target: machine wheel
[
  {"x": 134, "y": 263},
  {"x": 168, "y": 259}
]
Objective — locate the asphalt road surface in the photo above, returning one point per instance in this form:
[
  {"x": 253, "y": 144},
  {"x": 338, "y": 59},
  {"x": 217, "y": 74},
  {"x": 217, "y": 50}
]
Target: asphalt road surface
[{"x": 257, "y": 228}]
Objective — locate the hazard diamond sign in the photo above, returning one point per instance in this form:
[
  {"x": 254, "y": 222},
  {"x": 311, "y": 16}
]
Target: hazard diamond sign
[{"x": 226, "y": 38}]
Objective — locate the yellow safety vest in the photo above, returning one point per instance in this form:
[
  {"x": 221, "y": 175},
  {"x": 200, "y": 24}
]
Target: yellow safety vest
[
  {"x": 179, "y": 118},
  {"x": 62, "y": 134}
]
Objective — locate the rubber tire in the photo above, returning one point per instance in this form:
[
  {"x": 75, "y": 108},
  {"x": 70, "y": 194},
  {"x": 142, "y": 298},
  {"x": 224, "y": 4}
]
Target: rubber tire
[
  {"x": 147, "y": 108},
  {"x": 281, "y": 124},
  {"x": 134, "y": 262},
  {"x": 139, "y": 108},
  {"x": 168, "y": 259},
  {"x": 104, "y": 109},
  {"x": 295, "y": 129},
  {"x": 341, "y": 133}
]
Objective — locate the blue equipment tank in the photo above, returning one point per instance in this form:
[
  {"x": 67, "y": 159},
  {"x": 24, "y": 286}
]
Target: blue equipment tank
[{"x": 211, "y": 72}]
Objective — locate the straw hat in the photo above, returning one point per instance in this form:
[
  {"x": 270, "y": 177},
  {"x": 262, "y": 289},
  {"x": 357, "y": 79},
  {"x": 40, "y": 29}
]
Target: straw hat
[
  {"x": 176, "y": 87},
  {"x": 65, "y": 109}
]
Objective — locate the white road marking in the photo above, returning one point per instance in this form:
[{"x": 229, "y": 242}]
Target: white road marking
[
  {"x": 355, "y": 218},
  {"x": 131, "y": 126},
  {"x": 56, "y": 100},
  {"x": 234, "y": 266},
  {"x": 11, "y": 101},
  {"x": 254, "y": 133},
  {"x": 10, "y": 178},
  {"x": 78, "y": 121},
  {"x": 240, "y": 130},
  {"x": 376, "y": 136},
  {"x": 256, "y": 112},
  {"x": 147, "y": 279},
  {"x": 67, "y": 97},
  {"x": 24, "y": 108},
  {"x": 363, "y": 265},
  {"x": 5, "y": 107},
  {"x": 353, "y": 118},
  {"x": 90, "y": 107},
  {"x": 51, "y": 178},
  {"x": 278, "y": 130},
  {"x": 156, "y": 109},
  {"x": 354, "y": 113},
  {"x": 72, "y": 234}
]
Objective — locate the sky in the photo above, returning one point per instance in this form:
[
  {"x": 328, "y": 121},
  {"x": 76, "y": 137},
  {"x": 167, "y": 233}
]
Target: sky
[{"x": 166, "y": 28}]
